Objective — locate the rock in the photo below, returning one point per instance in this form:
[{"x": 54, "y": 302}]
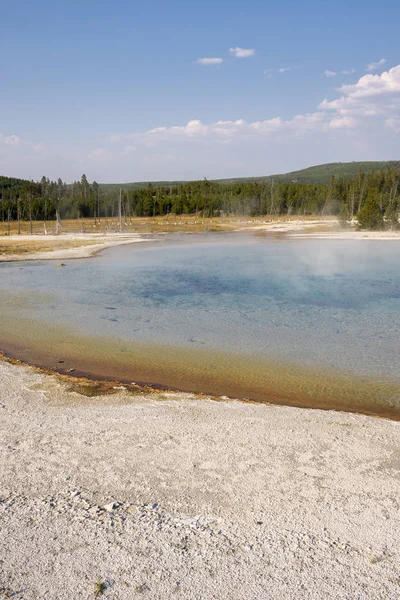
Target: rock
[
  {"x": 94, "y": 510},
  {"x": 61, "y": 265},
  {"x": 112, "y": 506}
]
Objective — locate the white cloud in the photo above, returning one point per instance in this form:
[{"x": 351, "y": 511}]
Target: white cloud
[
  {"x": 11, "y": 140},
  {"x": 15, "y": 142},
  {"x": 242, "y": 52},
  {"x": 279, "y": 70},
  {"x": 130, "y": 149},
  {"x": 224, "y": 130},
  {"x": 194, "y": 128},
  {"x": 343, "y": 123},
  {"x": 98, "y": 153},
  {"x": 210, "y": 61},
  {"x": 374, "y": 66},
  {"x": 371, "y": 96},
  {"x": 334, "y": 73}
]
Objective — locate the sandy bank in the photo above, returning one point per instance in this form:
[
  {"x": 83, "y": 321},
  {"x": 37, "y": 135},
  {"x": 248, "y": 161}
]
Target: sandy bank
[
  {"x": 350, "y": 234},
  {"x": 282, "y": 226},
  {"x": 176, "y": 497},
  {"x": 66, "y": 246},
  {"x": 324, "y": 229}
]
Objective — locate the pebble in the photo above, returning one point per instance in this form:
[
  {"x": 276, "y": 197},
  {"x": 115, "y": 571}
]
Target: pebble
[
  {"x": 112, "y": 506},
  {"x": 94, "y": 510}
]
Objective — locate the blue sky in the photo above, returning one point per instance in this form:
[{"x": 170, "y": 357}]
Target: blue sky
[{"x": 121, "y": 91}]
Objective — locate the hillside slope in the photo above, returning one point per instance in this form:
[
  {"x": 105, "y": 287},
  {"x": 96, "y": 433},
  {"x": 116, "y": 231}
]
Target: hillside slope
[
  {"x": 322, "y": 173},
  {"x": 315, "y": 174}
]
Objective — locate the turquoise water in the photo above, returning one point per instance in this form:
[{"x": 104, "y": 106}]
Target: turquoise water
[{"x": 325, "y": 303}]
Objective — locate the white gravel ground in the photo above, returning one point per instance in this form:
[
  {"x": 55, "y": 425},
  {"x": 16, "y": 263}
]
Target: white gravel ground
[
  {"x": 96, "y": 243},
  {"x": 173, "y": 496}
]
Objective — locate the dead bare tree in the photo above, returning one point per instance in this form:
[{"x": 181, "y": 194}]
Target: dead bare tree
[
  {"x": 120, "y": 210},
  {"x": 19, "y": 215},
  {"x": 58, "y": 220},
  {"x": 272, "y": 207}
]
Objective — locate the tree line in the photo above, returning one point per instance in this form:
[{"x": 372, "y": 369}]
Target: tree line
[{"x": 372, "y": 198}]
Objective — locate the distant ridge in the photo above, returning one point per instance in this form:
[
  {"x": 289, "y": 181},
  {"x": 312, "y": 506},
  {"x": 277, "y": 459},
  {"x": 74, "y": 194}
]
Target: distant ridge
[
  {"x": 316, "y": 174},
  {"x": 322, "y": 173}
]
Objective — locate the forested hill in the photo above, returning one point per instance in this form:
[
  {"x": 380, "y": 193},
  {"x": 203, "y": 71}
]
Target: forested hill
[
  {"x": 322, "y": 173},
  {"x": 372, "y": 195},
  {"x": 316, "y": 174},
  {"x": 139, "y": 185},
  {"x": 11, "y": 183}
]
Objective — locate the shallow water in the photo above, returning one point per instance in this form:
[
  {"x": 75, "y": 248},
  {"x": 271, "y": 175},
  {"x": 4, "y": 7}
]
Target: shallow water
[{"x": 331, "y": 305}]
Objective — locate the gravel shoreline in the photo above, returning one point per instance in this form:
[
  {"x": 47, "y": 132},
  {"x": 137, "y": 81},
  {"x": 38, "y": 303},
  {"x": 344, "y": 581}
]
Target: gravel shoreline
[
  {"x": 85, "y": 245},
  {"x": 171, "y": 496}
]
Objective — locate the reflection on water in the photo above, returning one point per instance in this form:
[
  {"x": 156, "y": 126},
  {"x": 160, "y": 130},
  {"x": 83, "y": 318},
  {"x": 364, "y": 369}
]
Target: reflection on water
[{"x": 332, "y": 305}]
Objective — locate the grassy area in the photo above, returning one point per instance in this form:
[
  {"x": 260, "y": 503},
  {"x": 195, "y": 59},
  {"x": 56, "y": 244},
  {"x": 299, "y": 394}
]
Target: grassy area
[
  {"x": 15, "y": 246},
  {"x": 110, "y": 226},
  {"x": 88, "y": 233},
  {"x": 170, "y": 223}
]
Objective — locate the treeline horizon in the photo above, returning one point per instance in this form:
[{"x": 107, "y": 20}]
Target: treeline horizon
[{"x": 373, "y": 198}]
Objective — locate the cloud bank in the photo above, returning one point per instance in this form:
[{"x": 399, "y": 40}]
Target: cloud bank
[
  {"x": 360, "y": 121},
  {"x": 373, "y": 100}
]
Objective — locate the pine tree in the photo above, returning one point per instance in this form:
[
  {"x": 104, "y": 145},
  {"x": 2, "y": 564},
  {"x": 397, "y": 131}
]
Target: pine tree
[
  {"x": 392, "y": 216},
  {"x": 370, "y": 215},
  {"x": 344, "y": 215}
]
